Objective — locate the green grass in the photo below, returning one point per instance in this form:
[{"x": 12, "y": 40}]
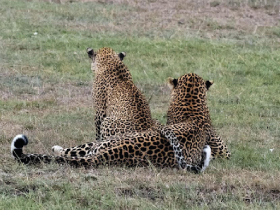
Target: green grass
[{"x": 45, "y": 89}]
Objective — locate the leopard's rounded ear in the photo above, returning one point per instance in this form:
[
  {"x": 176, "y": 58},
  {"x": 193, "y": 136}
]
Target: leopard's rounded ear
[
  {"x": 122, "y": 55},
  {"x": 208, "y": 84},
  {"x": 90, "y": 52},
  {"x": 172, "y": 83}
]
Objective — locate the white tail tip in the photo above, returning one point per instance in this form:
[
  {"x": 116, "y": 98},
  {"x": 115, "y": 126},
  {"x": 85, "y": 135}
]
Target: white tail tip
[{"x": 207, "y": 152}]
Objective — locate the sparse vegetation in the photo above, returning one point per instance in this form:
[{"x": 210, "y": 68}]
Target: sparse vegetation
[{"x": 45, "y": 89}]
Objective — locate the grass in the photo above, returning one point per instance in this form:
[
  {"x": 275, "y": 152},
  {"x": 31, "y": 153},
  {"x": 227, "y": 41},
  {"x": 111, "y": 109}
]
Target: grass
[{"x": 45, "y": 89}]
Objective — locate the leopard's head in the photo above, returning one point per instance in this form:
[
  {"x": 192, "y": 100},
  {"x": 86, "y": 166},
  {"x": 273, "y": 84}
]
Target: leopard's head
[
  {"x": 188, "y": 97},
  {"x": 105, "y": 59}
]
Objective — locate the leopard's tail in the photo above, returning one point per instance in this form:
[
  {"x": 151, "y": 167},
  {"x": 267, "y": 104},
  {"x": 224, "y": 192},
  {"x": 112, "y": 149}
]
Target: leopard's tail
[
  {"x": 21, "y": 140},
  {"x": 16, "y": 149},
  {"x": 204, "y": 163},
  {"x": 17, "y": 144},
  {"x": 206, "y": 156}
]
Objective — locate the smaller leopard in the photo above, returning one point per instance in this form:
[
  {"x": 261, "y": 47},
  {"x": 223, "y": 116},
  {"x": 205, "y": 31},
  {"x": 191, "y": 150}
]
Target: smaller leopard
[
  {"x": 189, "y": 126},
  {"x": 189, "y": 105}
]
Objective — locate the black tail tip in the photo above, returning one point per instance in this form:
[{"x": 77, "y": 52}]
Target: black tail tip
[{"x": 18, "y": 142}]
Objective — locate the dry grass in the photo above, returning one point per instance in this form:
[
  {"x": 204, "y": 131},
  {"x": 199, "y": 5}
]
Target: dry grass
[
  {"x": 208, "y": 19},
  {"x": 142, "y": 187}
]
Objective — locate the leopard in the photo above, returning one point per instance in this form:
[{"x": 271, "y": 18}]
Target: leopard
[
  {"x": 119, "y": 105},
  {"x": 181, "y": 143},
  {"x": 188, "y": 113}
]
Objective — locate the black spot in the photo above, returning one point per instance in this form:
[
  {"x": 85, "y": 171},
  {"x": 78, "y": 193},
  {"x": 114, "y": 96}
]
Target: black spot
[
  {"x": 152, "y": 147},
  {"x": 161, "y": 154},
  {"x": 106, "y": 156},
  {"x": 143, "y": 149},
  {"x": 153, "y": 138},
  {"x": 146, "y": 144},
  {"x": 121, "y": 154},
  {"x": 156, "y": 143},
  {"x": 182, "y": 140},
  {"x": 130, "y": 149},
  {"x": 82, "y": 153},
  {"x": 138, "y": 153},
  {"x": 166, "y": 149},
  {"x": 73, "y": 154},
  {"x": 157, "y": 150},
  {"x": 160, "y": 146},
  {"x": 150, "y": 152}
]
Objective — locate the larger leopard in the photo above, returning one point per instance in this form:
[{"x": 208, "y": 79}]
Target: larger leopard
[{"x": 119, "y": 105}]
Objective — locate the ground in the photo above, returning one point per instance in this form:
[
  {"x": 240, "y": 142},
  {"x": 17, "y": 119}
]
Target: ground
[{"x": 45, "y": 93}]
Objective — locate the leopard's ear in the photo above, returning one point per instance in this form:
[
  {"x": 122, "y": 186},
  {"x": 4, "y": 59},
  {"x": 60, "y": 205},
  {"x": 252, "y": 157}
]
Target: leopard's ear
[
  {"x": 122, "y": 55},
  {"x": 90, "y": 52},
  {"x": 208, "y": 84},
  {"x": 172, "y": 83}
]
